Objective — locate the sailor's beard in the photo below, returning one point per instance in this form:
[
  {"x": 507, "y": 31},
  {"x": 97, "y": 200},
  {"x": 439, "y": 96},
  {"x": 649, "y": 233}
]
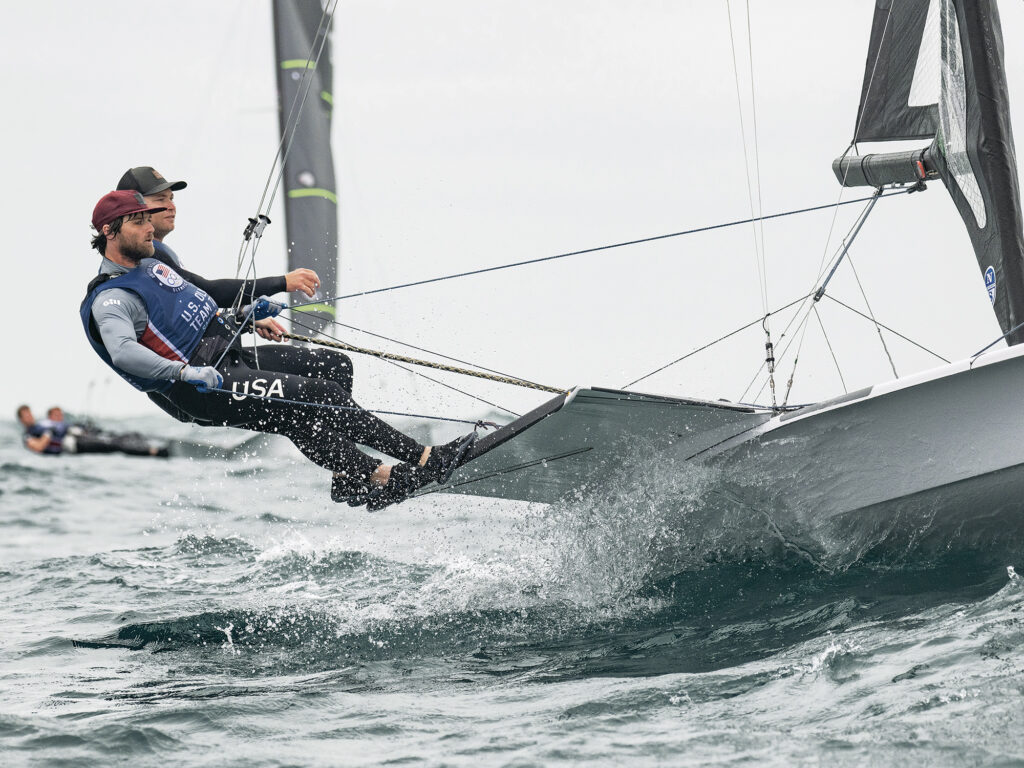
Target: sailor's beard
[{"x": 136, "y": 253}]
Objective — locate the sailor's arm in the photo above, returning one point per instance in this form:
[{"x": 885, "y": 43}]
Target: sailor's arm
[
  {"x": 38, "y": 443},
  {"x": 120, "y": 318},
  {"x": 225, "y": 291}
]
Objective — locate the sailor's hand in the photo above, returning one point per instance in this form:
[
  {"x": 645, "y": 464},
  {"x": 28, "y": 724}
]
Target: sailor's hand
[
  {"x": 204, "y": 377},
  {"x": 270, "y": 329},
  {"x": 262, "y": 308},
  {"x": 305, "y": 280}
]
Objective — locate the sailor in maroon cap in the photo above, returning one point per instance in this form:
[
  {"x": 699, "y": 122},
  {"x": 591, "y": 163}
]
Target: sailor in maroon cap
[{"x": 161, "y": 328}]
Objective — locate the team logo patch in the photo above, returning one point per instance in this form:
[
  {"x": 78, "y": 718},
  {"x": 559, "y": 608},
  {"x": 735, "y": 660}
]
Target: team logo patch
[
  {"x": 990, "y": 284},
  {"x": 167, "y": 277}
]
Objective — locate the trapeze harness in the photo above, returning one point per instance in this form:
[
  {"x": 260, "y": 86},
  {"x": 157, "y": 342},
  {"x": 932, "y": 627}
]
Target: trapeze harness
[{"x": 185, "y": 324}]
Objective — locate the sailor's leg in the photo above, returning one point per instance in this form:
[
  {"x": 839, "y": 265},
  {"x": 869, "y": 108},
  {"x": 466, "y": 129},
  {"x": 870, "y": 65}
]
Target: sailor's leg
[
  {"x": 134, "y": 444},
  {"x": 89, "y": 444},
  {"x": 313, "y": 363},
  {"x": 316, "y": 413},
  {"x": 335, "y": 408}
]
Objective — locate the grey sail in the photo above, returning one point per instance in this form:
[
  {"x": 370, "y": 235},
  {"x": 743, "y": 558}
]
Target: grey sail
[
  {"x": 304, "y": 116},
  {"x": 888, "y": 108},
  {"x": 935, "y": 71}
]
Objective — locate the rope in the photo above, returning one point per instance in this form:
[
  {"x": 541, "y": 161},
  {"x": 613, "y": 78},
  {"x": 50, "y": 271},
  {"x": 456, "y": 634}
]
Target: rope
[
  {"x": 584, "y": 251},
  {"x": 431, "y": 379},
  {"x": 426, "y": 364},
  {"x": 401, "y": 343}
]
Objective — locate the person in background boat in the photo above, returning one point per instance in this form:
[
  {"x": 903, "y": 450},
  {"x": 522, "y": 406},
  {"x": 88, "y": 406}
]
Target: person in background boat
[
  {"x": 54, "y": 436},
  {"x": 37, "y": 438},
  {"x": 163, "y": 331}
]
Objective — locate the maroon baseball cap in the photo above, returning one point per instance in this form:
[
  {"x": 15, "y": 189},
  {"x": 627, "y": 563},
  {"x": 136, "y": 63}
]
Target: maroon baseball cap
[{"x": 114, "y": 205}]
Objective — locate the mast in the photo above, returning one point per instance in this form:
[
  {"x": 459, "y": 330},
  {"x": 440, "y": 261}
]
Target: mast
[
  {"x": 935, "y": 71},
  {"x": 305, "y": 97}
]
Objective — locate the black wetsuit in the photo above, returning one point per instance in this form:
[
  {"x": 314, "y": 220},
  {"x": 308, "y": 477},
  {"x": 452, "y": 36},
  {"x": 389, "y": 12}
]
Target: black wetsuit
[{"x": 308, "y": 379}]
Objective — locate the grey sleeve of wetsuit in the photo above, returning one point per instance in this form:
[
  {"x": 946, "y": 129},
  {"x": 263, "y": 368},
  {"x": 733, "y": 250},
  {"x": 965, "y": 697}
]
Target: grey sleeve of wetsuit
[{"x": 121, "y": 318}]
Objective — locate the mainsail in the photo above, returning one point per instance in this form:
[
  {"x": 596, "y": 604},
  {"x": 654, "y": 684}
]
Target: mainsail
[
  {"x": 304, "y": 81},
  {"x": 935, "y": 71}
]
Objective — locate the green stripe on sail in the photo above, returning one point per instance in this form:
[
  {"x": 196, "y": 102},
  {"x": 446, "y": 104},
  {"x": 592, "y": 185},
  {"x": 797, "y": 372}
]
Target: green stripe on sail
[
  {"x": 326, "y": 194},
  {"x": 327, "y": 309},
  {"x": 298, "y": 64}
]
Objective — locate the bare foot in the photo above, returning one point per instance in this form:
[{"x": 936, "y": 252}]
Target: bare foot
[{"x": 381, "y": 475}]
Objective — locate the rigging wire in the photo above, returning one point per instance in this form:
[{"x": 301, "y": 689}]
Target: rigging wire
[
  {"x": 853, "y": 142},
  {"x": 756, "y": 220},
  {"x": 830, "y": 268},
  {"x": 820, "y": 291},
  {"x": 624, "y": 244},
  {"x": 757, "y": 171},
  {"x": 716, "y": 341},
  {"x": 871, "y": 319},
  {"x": 835, "y": 215},
  {"x": 890, "y": 330},
  {"x": 257, "y": 223},
  {"x": 785, "y": 333},
  {"x": 424, "y": 363},
  {"x": 831, "y": 351},
  {"x": 871, "y": 312},
  {"x": 759, "y": 244},
  {"x": 754, "y": 213},
  {"x": 796, "y": 361}
]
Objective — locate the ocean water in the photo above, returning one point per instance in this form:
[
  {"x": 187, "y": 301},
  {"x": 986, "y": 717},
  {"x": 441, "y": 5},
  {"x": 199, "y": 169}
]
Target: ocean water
[{"x": 221, "y": 611}]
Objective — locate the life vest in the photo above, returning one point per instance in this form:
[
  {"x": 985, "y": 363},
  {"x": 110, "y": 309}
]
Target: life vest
[
  {"x": 178, "y": 315},
  {"x": 57, "y": 432}
]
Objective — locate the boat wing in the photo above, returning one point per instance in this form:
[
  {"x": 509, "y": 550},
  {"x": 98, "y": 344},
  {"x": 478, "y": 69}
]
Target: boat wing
[{"x": 567, "y": 444}]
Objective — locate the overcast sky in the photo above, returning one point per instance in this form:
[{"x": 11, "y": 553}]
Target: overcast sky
[{"x": 470, "y": 134}]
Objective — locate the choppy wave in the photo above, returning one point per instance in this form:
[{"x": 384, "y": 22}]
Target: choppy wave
[{"x": 662, "y": 618}]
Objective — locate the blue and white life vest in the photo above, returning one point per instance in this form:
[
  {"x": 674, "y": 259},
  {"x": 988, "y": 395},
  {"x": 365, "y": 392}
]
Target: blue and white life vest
[{"x": 178, "y": 315}]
